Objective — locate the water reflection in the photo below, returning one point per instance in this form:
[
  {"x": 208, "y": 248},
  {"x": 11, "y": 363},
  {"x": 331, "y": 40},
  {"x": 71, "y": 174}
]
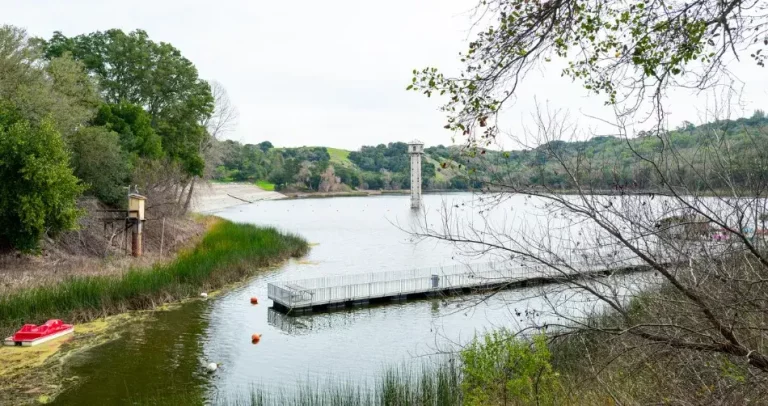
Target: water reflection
[
  {"x": 157, "y": 361},
  {"x": 311, "y": 323},
  {"x": 354, "y": 235}
]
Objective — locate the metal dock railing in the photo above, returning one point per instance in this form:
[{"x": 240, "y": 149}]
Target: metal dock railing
[{"x": 342, "y": 289}]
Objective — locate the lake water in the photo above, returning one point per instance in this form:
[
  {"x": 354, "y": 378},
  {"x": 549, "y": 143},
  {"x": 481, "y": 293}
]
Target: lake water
[{"x": 159, "y": 361}]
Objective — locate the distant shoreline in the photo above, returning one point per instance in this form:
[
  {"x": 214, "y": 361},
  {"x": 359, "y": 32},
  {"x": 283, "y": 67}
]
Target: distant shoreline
[
  {"x": 216, "y": 196},
  {"x": 364, "y": 193}
]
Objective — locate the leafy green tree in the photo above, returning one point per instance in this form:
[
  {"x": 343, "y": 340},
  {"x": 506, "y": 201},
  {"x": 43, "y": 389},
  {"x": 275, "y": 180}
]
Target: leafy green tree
[
  {"x": 373, "y": 181},
  {"x": 101, "y": 163},
  {"x": 392, "y": 157},
  {"x": 74, "y": 97},
  {"x": 311, "y": 154},
  {"x": 316, "y": 172},
  {"x": 134, "y": 125},
  {"x": 502, "y": 369},
  {"x": 459, "y": 182},
  {"x": 286, "y": 174},
  {"x": 131, "y": 68},
  {"x": 347, "y": 175},
  {"x": 757, "y": 117},
  {"x": 17, "y": 61},
  {"x": 280, "y": 178},
  {"x": 39, "y": 189},
  {"x": 247, "y": 162},
  {"x": 58, "y": 89},
  {"x": 183, "y": 136},
  {"x": 403, "y": 180},
  {"x": 624, "y": 51},
  {"x": 427, "y": 172},
  {"x": 265, "y": 146}
]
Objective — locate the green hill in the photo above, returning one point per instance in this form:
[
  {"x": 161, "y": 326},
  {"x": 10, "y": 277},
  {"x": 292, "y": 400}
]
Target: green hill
[
  {"x": 608, "y": 162},
  {"x": 339, "y": 156}
]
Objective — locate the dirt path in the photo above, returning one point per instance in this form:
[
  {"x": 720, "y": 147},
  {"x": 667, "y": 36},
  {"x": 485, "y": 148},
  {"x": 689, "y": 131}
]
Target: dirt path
[{"x": 217, "y": 196}]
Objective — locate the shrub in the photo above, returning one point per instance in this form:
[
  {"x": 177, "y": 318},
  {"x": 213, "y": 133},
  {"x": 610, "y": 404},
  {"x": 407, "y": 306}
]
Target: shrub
[
  {"x": 502, "y": 369},
  {"x": 99, "y": 161},
  {"x": 134, "y": 126},
  {"x": 39, "y": 189}
]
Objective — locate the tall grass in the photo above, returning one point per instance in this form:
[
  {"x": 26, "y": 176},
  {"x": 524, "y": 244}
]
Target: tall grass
[
  {"x": 431, "y": 386},
  {"x": 229, "y": 252},
  {"x": 265, "y": 185}
]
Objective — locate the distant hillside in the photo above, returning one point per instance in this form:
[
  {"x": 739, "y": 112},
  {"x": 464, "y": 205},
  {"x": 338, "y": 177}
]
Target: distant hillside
[
  {"x": 339, "y": 156},
  {"x": 609, "y": 161}
]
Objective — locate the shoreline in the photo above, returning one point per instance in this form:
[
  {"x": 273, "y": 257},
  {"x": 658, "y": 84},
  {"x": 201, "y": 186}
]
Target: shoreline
[
  {"x": 228, "y": 254},
  {"x": 364, "y": 193},
  {"x": 354, "y": 193},
  {"x": 213, "y": 197},
  {"x": 96, "y": 250}
]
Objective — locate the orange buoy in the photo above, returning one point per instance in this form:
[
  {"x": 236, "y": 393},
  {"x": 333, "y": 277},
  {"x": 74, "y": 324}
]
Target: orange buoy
[
  {"x": 256, "y": 338},
  {"x": 254, "y": 300}
]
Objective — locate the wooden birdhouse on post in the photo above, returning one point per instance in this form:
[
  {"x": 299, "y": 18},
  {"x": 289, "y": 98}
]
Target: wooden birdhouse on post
[{"x": 135, "y": 220}]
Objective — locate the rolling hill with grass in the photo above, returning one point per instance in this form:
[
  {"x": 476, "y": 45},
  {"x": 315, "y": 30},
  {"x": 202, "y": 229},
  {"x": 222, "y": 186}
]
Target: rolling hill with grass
[{"x": 613, "y": 162}]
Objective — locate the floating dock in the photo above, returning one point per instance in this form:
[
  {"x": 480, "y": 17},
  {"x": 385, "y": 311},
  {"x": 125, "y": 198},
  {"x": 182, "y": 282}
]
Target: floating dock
[{"x": 361, "y": 289}]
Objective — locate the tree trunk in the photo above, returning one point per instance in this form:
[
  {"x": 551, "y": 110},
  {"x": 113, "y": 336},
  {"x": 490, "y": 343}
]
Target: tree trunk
[
  {"x": 178, "y": 207},
  {"x": 189, "y": 195},
  {"x": 180, "y": 196}
]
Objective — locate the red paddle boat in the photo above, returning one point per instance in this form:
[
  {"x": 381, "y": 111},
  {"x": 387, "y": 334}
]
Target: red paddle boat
[{"x": 31, "y": 334}]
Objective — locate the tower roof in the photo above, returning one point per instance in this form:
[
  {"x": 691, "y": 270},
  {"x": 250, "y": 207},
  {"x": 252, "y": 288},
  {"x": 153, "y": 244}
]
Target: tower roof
[{"x": 415, "y": 141}]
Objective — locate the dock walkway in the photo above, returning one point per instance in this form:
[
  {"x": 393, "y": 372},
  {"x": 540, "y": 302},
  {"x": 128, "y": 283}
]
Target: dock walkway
[{"x": 359, "y": 289}]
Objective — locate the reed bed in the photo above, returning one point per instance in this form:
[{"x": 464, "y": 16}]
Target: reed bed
[
  {"x": 431, "y": 385},
  {"x": 229, "y": 252}
]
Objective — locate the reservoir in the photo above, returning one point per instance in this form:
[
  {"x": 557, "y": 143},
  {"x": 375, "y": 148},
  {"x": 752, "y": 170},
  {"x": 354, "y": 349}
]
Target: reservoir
[{"x": 159, "y": 360}]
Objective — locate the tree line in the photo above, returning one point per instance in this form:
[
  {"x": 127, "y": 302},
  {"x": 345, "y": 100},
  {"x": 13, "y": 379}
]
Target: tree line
[
  {"x": 616, "y": 163},
  {"x": 608, "y": 162},
  {"x": 93, "y": 114},
  {"x": 311, "y": 168}
]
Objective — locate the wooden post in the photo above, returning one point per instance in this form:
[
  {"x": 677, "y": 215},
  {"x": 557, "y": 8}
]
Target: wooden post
[
  {"x": 162, "y": 237},
  {"x": 125, "y": 237},
  {"x": 136, "y": 246},
  {"x": 136, "y": 204}
]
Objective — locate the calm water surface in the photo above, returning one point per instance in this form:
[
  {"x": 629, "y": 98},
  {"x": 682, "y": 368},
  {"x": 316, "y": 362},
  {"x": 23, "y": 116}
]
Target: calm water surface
[{"x": 159, "y": 361}]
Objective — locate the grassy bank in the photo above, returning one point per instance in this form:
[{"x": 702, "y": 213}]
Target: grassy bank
[
  {"x": 229, "y": 252},
  {"x": 494, "y": 369},
  {"x": 266, "y": 185}
]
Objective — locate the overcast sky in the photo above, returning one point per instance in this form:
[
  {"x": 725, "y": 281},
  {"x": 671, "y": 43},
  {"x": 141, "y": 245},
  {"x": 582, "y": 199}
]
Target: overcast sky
[{"x": 333, "y": 72}]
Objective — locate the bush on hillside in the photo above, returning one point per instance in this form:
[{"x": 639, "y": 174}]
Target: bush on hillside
[
  {"x": 99, "y": 161},
  {"x": 502, "y": 369},
  {"x": 39, "y": 189},
  {"x": 134, "y": 126}
]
